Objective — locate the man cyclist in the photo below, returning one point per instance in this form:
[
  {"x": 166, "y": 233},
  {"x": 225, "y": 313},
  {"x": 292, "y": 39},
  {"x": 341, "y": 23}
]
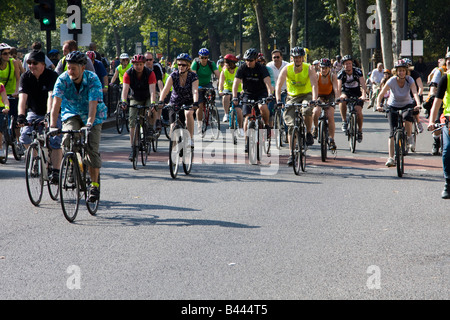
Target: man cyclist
[
  {"x": 122, "y": 68},
  {"x": 375, "y": 79},
  {"x": 350, "y": 82},
  {"x": 443, "y": 97},
  {"x": 301, "y": 82},
  {"x": 142, "y": 83},
  {"x": 35, "y": 92},
  {"x": 204, "y": 68},
  {"x": 255, "y": 80},
  {"x": 78, "y": 95},
  {"x": 327, "y": 91},
  {"x": 159, "y": 74},
  {"x": 68, "y": 47}
]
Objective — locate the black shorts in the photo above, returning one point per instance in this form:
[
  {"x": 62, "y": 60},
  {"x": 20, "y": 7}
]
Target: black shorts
[
  {"x": 172, "y": 115},
  {"x": 246, "y": 108},
  {"x": 393, "y": 118}
]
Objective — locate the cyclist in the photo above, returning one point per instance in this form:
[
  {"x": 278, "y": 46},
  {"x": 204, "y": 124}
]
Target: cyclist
[
  {"x": 37, "y": 46},
  {"x": 122, "y": 68},
  {"x": 4, "y": 109},
  {"x": 255, "y": 80},
  {"x": 36, "y": 87},
  {"x": 418, "y": 81},
  {"x": 301, "y": 82},
  {"x": 184, "y": 84},
  {"x": 204, "y": 68},
  {"x": 100, "y": 70},
  {"x": 400, "y": 86},
  {"x": 226, "y": 86},
  {"x": 350, "y": 82},
  {"x": 142, "y": 83},
  {"x": 78, "y": 95},
  {"x": 375, "y": 78},
  {"x": 337, "y": 65},
  {"x": 277, "y": 64},
  {"x": 68, "y": 47},
  {"x": 327, "y": 90},
  {"x": 159, "y": 74},
  {"x": 443, "y": 98},
  {"x": 10, "y": 77}
]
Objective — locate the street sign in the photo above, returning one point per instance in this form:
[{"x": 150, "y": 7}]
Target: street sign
[
  {"x": 153, "y": 39},
  {"x": 417, "y": 48},
  {"x": 84, "y": 39},
  {"x": 74, "y": 19}
]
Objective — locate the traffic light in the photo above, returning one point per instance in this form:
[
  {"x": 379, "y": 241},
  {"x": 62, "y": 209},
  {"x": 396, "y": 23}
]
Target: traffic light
[{"x": 44, "y": 11}]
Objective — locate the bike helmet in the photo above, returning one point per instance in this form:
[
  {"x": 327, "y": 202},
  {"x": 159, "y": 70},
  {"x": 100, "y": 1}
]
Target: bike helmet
[
  {"x": 77, "y": 57},
  {"x": 346, "y": 58},
  {"x": 90, "y": 54},
  {"x": 401, "y": 64},
  {"x": 338, "y": 57},
  {"x": 185, "y": 57},
  {"x": 387, "y": 71},
  {"x": 138, "y": 58},
  {"x": 408, "y": 61},
  {"x": 203, "y": 52},
  {"x": 231, "y": 57},
  {"x": 251, "y": 54},
  {"x": 324, "y": 62},
  {"x": 447, "y": 56},
  {"x": 4, "y": 46},
  {"x": 124, "y": 56},
  {"x": 298, "y": 52}
]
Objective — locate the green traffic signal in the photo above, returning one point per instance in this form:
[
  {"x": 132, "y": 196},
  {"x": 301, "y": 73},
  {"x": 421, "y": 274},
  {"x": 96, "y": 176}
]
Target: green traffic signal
[{"x": 46, "y": 21}]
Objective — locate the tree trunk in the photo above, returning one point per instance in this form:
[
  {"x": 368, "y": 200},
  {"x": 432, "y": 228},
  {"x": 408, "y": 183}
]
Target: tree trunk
[
  {"x": 361, "y": 16},
  {"x": 397, "y": 27},
  {"x": 214, "y": 43},
  {"x": 344, "y": 28},
  {"x": 117, "y": 40},
  {"x": 386, "y": 34},
  {"x": 263, "y": 37},
  {"x": 294, "y": 23}
]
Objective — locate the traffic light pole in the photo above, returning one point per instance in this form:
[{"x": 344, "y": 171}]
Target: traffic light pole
[{"x": 49, "y": 40}]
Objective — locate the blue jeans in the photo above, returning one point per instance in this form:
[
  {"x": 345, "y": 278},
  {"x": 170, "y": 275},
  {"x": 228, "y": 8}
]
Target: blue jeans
[{"x": 446, "y": 152}]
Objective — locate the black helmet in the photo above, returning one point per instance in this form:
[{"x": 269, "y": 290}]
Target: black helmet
[
  {"x": 298, "y": 52},
  {"x": 346, "y": 58},
  {"x": 77, "y": 57},
  {"x": 324, "y": 62},
  {"x": 251, "y": 54}
]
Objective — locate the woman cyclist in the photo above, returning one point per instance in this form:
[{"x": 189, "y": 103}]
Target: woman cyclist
[
  {"x": 401, "y": 84},
  {"x": 184, "y": 84},
  {"x": 122, "y": 68},
  {"x": 226, "y": 86}
]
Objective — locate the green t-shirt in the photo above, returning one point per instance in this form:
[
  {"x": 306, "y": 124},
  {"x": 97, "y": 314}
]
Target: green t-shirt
[{"x": 204, "y": 72}]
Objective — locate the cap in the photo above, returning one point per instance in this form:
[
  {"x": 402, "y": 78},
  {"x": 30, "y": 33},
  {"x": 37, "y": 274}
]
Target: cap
[{"x": 36, "y": 55}]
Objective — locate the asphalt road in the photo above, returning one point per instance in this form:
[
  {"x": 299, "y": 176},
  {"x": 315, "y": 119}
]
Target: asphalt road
[{"x": 348, "y": 228}]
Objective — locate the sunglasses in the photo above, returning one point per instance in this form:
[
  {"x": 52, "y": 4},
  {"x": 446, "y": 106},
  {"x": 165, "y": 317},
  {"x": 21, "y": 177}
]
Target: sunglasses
[
  {"x": 203, "y": 57},
  {"x": 250, "y": 60},
  {"x": 34, "y": 63},
  {"x": 276, "y": 57},
  {"x": 149, "y": 59},
  {"x": 182, "y": 65},
  {"x": 6, "y": 53}
]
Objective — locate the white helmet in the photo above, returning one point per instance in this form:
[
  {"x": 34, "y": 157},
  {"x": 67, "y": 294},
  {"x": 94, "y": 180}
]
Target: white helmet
[
  {"x": 4, "y": 46},
  {"x": 124, "y": 56}
]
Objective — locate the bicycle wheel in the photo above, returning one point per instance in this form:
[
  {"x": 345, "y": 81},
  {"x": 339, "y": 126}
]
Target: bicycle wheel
[
  {"x": 4, "y": 147},
  {"x": 233, "y": 125},
  {"x": 136, "y": 144},
  {"x": 144, "y": 146},
  {"x": 16, "y": 147},
  {"x": 399, "y": 153},
  {"x": 91, "y": 206},
  {"x": 119, "y": 117},
  {"x": 214, "y": 122},
  {"x": 174, "y": 153},
  {"x": 252, "y": 143},
  {"x": 34, "y": 177},
  {"x": 278, "y": 129},
  {"x": 53, "y": 188},
  {"x": 323, "y": 136},
  {"x": 264, "y": 143},
  {"x": 303, "y": 147},
  {"x": 296, "y": 151},
  {"x": 188, "y": 154},
  {"x": 69, "y": 186},
  {"x": 415, "y": 132},
  {"x": 352, "y": 132}
]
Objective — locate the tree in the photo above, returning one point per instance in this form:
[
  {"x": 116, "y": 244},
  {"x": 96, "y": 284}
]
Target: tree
[
  {"x": 361, "y": 14},
  {"x": 386, "y": 33},
  {"x": 397, "y": 27},
  {"x": 263, "y": 36},
  {"x": 294, "y": 23},
  {"x": 344, "y": 27}
]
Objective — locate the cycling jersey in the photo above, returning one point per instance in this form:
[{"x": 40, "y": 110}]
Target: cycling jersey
[
  {"x": 182, "y": 95},
  {"x": 139, "y": 86},
  {"x": 326, "y": 88},
  {"x": 298, "y": 83},
  {"x": 444, "y": 93},
  {"x": 229, "y": 78},
  {"x": 253, "y": 79},
  {"x": 204, "y": 72},
  {"x": 122, "y": 71},
  {"x": 400, "y": 97},
  {"x": 8, "y": 77},
  {"x": 350, "y": 82}
]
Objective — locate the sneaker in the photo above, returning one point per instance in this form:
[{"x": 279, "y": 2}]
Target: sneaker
[
  {"x": 360, "y": 137},
  {"x": 411, "y": 144},
  {"x": 131, "y": 156},
  {"x": 315, "y": 132},
  {"x": 54, "y": 176},
  {"x": 225, "y": 117},
  {"x": 241, "y": 132},
  {"x": 344, "y": 127},
  {"x": 94, "y": 194},
  {"x": 20, "y": 149},
  {"x": 309, "y": 139},
  {"x": 369, "y": 106},
  {"x": 158, "y": 125},
  {"x": 445, "y": 194},
  {"x": 420, "y": 127},
  {"x": 290, "y": 161},
  {"x": 332, "y": 144},
  {"x": 390, "y": 162},
  {"x": 436, "y": 146}
]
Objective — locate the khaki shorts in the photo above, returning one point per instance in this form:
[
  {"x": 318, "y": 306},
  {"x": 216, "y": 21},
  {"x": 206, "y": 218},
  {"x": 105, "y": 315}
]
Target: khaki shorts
[
  {"x": 134, "y": 111},
  {"x": 289, "y": 113},
  {"x": 92, "y": 157}
]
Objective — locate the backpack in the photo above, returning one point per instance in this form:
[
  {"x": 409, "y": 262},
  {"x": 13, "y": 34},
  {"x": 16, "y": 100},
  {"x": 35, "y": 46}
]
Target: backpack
[{"x": 209, "y": 64}]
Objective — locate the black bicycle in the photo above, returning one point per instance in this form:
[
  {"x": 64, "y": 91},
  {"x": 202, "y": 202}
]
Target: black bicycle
[
  {"x": 74, "y": 176},
  {"x": 121, "y": 114},
  {"x": 352, "y": 121},
  {"x": 298, "y": 139},
  {"x": 258, "y": 138},
  {"x": 180, "y": 150},
  {"x": 210, "y": 113},
  {"x": 323, "y": 137},
  {"x": 140, "y": 141}
]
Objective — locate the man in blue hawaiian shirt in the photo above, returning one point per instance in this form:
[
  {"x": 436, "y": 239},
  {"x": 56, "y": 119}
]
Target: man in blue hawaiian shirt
[{"x": 78, "y": 95}]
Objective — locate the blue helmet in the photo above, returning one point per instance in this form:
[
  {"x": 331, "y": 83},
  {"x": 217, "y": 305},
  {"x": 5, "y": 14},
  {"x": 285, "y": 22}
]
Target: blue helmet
[
  {"x": 203, "y": 52},
  {"x": 184, "y": 56}
]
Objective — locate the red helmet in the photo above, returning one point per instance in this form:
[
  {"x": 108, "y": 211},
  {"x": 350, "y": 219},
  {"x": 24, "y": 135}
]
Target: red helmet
[
  {"x": 231, "y": 57},
  {"x": 90, "y": 54},
  {"x": 138, "y": 58}
]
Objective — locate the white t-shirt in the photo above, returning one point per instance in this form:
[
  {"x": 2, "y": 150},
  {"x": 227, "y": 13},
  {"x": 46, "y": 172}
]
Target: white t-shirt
[
  {"x": 400, "y": 97},
  {"x": 376, "y": 76},
  {"x": 276, "y": 71}
]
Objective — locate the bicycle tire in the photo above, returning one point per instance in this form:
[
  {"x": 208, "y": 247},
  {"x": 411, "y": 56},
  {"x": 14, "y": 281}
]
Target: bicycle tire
[
  {"x": 214, "y": 122},
  {"x": 144, "y": 147},
  {"x": 91, "y": 206},
  {"x": 323, "y": 136},
  {"x": 233, "y": 125},
  {"x": 399, "y": 153},
  {"x": 352, "y": 132},
  {"x": 69, "y": 186},
  {"x": 278, "y": 129},
  {"x": 303, "y": 146},
  {"x": 296, "y": 151},
  {"x": 53, "y": 188},
  {"x": 15, "y": 149},
  {"x": 205, "y": 121},
  {"x": 5, "y": 147},
  {"x": 174, "y": 154},
  {"x": 415, "y": 132},
  {"x": 136, "y": 144},
  {"x": 154, "y": 144},
  {"x": 188, "y": 155},
  {"x": 119, "y": 117},
  {"x": 252, "y": 143},
  {"x": 34, "y": 176},
  {"x": 264, "y": 143}
]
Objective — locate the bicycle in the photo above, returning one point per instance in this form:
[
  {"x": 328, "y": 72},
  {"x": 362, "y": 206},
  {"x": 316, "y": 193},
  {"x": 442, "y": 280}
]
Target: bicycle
[
  {"x": 121, "y": 114},
  {"x": 74, "y": 178},
  {"x": 415, "y": 133},
  {"x": 180, "y": 148},
  {"x": 323, "y": 137},
  {"x": 5, "y": 139},
  {"x": 298, "y": 139},
  {"x": 210, "y": 113},
  {"x": 281, "y": 130},
  {"x": 38, "y": 164},
  {"x": 400, "y": 139},
  {"x": 155, "y": 133},
  {"x": 258, "y": 140},
  {"x": 140, "y": 141},
  {"x": 232, "y": 119},
  {"x": 352, "y": 121}
]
